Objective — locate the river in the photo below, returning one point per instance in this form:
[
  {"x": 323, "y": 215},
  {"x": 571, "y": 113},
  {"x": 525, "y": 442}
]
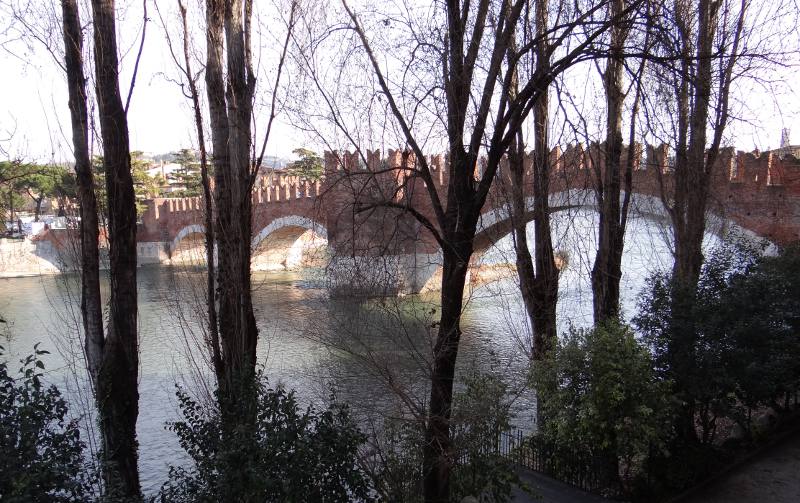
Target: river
[{"x": 309, "y": 341}]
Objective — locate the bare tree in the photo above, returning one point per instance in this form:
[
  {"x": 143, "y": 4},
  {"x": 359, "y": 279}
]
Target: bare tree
[
  {"x": 91, "y": 303},
  {"x": 538, "y": 274},
  {"x": 230, "y": 135},
  {"x": 705, "y": 42},
  {"x": 118, "y": 370},
  {"x": 470, "y": 63},
  {"x": 230, "y": 86},
  {"x": 700, "y": 51},
  {"x": 613, "y": 178}
]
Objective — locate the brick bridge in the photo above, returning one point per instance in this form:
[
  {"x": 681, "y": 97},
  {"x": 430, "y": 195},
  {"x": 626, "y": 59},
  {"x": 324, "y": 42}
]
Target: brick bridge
[
  {"x": 340, "y": 217},
  {"x": 339, "y": 222}
]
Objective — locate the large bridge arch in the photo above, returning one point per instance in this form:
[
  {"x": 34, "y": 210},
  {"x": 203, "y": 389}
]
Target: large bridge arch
[
  {"x": 288, "y": 243},
  {"x": 496, "y": 223}
]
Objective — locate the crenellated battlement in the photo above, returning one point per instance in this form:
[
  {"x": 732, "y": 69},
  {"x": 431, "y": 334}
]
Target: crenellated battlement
[
  {"x": 759, "y": 191},
  {"x": 755, "y": 169}
]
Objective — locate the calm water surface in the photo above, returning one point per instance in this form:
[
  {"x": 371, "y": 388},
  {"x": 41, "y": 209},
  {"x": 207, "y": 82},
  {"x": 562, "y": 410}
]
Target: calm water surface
[{"x": 308, "y": 341}]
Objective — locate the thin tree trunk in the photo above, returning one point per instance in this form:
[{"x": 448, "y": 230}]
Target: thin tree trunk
[
  {"x": 539, "y": 282},
  {"x": 91, "y": 303},
  {"x": 692, "y": 176},
  {"x": 239, "y": 340},
  {"x": 117, "y": 386},
  {"x": 218, "y": 116},
  {"x": 211, "y": 307},
  {"x": 437, "y": 453},
  {"x": 526, "y": 273},
  {"x": 230, "y": 113}
]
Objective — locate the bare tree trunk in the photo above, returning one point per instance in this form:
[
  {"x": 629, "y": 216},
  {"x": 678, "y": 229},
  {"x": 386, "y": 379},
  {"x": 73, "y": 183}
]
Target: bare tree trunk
[
  {"x": 239, "y": 340},
  {"x": 230, "y": 111},
  {"x": 607, "y": 270},
  {"x": 437, "y": 454},
  {"x": 91, "y": 303},
  {"x": 695, "y": 26},
  {"x": 460, "y": 224},
  {"x": 538, "y": 285},
  {"x": 545, "y": 291},
  {"x": 218, "y": 116},
  {"x": 692, "y": 176},
  {"x": 211, "y": 306},
  {"x": 117, "y": 385},
  {"x": 526, "y": 273}
]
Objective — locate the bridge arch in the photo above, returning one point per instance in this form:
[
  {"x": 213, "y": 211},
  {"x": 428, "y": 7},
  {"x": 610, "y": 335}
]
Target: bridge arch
[
  {"x": 289, "y": 243},
  {"x": 496, "y": 223},
  {"x": 187, "y": 246}
]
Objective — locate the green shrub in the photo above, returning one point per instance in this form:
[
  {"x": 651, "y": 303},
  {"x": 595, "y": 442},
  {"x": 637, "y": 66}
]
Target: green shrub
[
  {"x": 731, "y": 345},
  {"x": 599, "y": 396},
  {"x": 288, "y": 455},
  {"x": 41, "y": 453}
]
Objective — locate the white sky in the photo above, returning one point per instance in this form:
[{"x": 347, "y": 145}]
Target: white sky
[{"x": 34, "y": 118}]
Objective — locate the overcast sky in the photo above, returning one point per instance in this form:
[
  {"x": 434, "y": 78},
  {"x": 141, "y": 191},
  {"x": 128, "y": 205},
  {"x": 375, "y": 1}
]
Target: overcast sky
[{"x": 34, "y": 118}]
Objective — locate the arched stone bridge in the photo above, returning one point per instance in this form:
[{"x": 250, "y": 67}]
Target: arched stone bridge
[{"x": 368, "y": 242}]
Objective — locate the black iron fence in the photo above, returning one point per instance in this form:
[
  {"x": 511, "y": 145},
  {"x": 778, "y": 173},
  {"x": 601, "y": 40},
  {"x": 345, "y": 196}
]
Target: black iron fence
[{"x": 580, "y": 469}]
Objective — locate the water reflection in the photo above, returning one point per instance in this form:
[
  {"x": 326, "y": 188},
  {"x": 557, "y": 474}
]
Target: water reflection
[{"x": 375, "y": 353}]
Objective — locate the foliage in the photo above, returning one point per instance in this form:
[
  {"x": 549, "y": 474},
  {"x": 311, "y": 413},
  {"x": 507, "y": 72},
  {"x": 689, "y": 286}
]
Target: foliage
[
  {"x": 728, "y": 347},
  {"x": 396, "y": 468},
  {"x": 40, "y": 449},
  {"x": 598, "y": 394},
  {"x": 481, "y": 414},
  {"x": 37, "y": 182},
  {"x": 289, "y": 455},
  {"x": 49, "y": 181},
  {"x": 189, "y": 174},
  {"x": 309, "y": 166},
  {"x": 733, "y": 344},
  {"x": 145, "y": 185},
  {"x": 99, "y": 176}
]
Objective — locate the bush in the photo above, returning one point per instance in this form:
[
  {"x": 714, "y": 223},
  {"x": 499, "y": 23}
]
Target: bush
[
  {"x": 41, "y": 453},
  {"x": 599, "y": 396},
  {"x": 288, "y": 455},
  {"x": 480, "y": 415},
  {"x": 732, "y": 344}
]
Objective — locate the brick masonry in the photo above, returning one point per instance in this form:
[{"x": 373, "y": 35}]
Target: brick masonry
[{"x": 758, "y": 192}]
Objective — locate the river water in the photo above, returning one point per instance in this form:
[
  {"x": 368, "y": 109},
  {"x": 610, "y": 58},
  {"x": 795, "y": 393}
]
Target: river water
[{"x": 309, "y": 341}]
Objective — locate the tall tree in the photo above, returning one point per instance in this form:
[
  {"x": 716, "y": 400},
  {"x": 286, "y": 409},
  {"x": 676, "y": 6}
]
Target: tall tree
[
  {"x": 91, "y": 302},
  {"x": 705, "y": 39},
  {"x": 188, "y": 176},
  {"x": 205, "y": 181},
  {"x": 230, "y": 106},
  {"x": 117, "y": 380},
  {"x": 613, "y": 178},
  {"x": 230, "y": 87},
  {"x": 537, "y": 274},
  {"x": 482, "y": 115},
  {"x": 701, "y": 48}
]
